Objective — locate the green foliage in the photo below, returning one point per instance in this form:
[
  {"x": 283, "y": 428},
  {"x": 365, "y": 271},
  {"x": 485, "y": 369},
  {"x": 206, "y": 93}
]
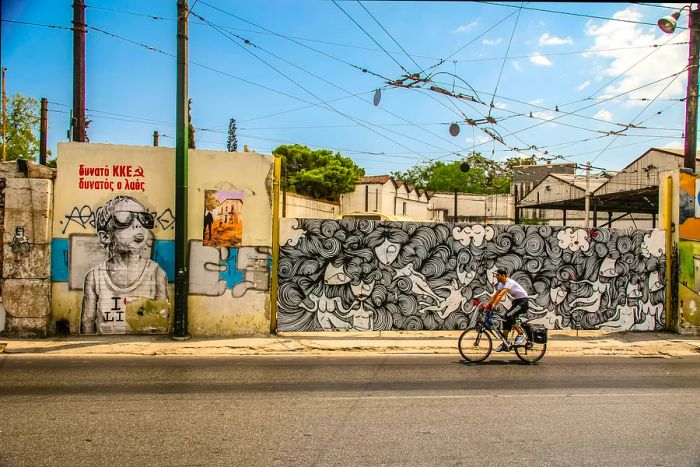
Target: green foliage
[
  {"x": 23, "y": 118},
  {"x": 320, "y": 174},
  {"x": 484, "y": 175}
]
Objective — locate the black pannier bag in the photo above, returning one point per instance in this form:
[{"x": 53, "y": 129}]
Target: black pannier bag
[{"x": 537, "y": 333}]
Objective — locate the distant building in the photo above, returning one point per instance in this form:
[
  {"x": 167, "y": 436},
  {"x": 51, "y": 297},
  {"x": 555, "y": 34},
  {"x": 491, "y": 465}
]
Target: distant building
[
  {"x": 228, "y": 211},
  {"x": 629, "y": 198}
]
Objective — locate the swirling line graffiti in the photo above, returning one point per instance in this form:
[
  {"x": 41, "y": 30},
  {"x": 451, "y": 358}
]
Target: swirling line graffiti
[
  {"x": 84, "y": 217},
  {"x": 369, "y": 275}
]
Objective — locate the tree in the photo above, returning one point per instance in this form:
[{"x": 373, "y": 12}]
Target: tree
[
  {"x": 232, "y": 141},
  {"x": 23, "y": 119},
  {"x": 320, "y": 174},
  {"x": 190, "y": 128},
  {"x": 484, "y": 175}
]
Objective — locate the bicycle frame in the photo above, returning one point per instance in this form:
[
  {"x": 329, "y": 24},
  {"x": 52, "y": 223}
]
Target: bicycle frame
[{"x": 486, "y": 324}]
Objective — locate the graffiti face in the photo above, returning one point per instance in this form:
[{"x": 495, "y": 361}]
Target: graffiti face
[
  {"x": 573, "y": 239},
  {"x": 335, "y": 276},
  {"x": 387, "y": 252},
  {"x": 362, "y": 290},
  {"x": 131, "y": 224},
  {"x": 473, "y": 235},
  {"x": 126, "y": 287}
]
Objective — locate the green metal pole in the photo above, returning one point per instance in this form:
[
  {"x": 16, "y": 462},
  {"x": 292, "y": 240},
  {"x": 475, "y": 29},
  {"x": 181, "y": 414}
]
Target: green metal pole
[{"x": 180, "y": 331}]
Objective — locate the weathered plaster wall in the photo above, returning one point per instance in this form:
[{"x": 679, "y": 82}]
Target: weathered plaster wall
[
  {"x": 371, "y": 275},
  {"x": 26, "y": 236},
  {"x": 230, "y": 285}
]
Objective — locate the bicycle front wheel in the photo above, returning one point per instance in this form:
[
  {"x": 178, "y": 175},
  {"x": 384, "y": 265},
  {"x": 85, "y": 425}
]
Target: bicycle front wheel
[
  {"x": 532, "y": 352},
  {"x": 475, "y": 345}
]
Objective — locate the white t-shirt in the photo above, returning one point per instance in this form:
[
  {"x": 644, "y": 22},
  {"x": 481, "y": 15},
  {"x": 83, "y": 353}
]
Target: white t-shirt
[{"x": 515, "y": 290}]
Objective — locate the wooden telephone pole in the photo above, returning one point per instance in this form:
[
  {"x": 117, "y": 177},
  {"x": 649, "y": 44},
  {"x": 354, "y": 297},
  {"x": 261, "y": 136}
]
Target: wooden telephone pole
[{"x": 79, "y": 30}]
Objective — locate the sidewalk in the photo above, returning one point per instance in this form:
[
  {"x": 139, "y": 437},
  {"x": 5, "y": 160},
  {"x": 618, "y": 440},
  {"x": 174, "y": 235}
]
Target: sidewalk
[{"x": 633, "y": 344}]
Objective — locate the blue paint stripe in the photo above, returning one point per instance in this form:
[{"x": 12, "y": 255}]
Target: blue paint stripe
[
  {"x": 59, "y": 260},
  {"x": 232, "y": 276},
  {"x": 163, "y": 254}
]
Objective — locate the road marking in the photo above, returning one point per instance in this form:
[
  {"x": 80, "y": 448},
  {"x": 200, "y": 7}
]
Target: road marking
[{"x": 491, "y": 396}]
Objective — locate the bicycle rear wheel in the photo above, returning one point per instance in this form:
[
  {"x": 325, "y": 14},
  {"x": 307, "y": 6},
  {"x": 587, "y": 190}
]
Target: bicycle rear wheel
[
  {"x": 531, "y": 354},
  {"x": 475, "y": 345}
]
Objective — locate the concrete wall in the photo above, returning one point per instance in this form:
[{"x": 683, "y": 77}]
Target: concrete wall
[
  {"x": 303, "y": 207},
  {"x": 362, "y": 275},
  {"x": 385, "y": 198},
  {"x": 230, "y": 278},
  {"x": 25, "y": 215},
  {"x": 118, "y": 278},
  {"x": 475, "y": 208}
]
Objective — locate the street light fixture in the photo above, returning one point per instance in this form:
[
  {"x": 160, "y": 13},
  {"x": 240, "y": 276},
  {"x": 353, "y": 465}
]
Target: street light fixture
[{"x": 668, "y": 25}]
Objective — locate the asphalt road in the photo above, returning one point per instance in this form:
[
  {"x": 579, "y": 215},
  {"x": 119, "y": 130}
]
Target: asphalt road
[{"x": 348, "y": 410}]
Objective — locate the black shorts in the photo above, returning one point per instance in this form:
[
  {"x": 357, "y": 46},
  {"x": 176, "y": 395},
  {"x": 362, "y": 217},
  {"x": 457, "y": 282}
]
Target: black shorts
[{"x": 518, "y": 308}]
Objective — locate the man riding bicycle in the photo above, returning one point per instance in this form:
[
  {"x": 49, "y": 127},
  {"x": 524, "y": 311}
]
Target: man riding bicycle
[{"x": 519, "y": 306}]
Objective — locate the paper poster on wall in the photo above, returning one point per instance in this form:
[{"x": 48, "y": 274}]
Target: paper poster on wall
[{"x": 223, "y": 218}]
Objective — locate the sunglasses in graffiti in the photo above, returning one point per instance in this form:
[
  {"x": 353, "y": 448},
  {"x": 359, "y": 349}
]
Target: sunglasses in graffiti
[{"x": 124, "y": 219}]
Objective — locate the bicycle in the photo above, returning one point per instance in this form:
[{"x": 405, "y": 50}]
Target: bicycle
[{"x": 475, "y": 343}]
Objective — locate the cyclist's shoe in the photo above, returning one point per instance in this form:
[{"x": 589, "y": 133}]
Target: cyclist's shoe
[
  {"x": 520, "y": 340},
  {"x": 502, "y": 348}
]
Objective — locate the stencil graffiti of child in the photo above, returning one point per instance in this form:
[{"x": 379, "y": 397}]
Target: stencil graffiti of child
[{"x": 122, "y": 226}]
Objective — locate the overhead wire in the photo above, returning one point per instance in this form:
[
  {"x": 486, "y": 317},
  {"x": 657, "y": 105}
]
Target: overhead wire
[
  {"x": 500, "y": 73},
  {"x": 637, "y": 116},
  {"x": 581, "y": 15},
  {"x": 388, "y": 34},
  {"x": 325, "y": 104},
  {"x": 370, "y": 36}
]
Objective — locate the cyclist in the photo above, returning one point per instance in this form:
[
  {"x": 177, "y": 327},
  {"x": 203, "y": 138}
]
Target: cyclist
[{"x": 519, "y": 306}]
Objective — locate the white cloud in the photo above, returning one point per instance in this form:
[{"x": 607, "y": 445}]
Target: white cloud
[
  {"x": 517, "y": 66},
  {"x": 492, "y": 42},
  {"x": 537, "y": 101},
  {"x": 637, "y": 66},
  {"x": 540, "y": 60},
  {"x": 466, "y": 27},
  {"x": 546, "y": 39},
  {"x": 604, "y": 115},
  {"x": 543, "y": 115},
  {"x": 500, "y": 105},
  {"x": 583, "y": 85}
]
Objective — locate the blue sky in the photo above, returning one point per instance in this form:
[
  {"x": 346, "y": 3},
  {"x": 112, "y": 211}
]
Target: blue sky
[{"x": 584, "y": 71}]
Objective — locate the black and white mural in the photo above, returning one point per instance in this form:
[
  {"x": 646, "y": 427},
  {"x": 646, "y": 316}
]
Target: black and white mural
[{"x": 372, "y": 275}]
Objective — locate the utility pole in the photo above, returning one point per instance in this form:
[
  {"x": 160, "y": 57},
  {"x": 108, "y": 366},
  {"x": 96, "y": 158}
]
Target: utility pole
[
  {"x": 43, "y": 128},
  {"x": 454, "y": 218},
  {"x": 691, "y": 103},
  {"x": 180, "y": 330},
  {"x": 4, "y": 115},
  {"x": 588, "y": 194},
  {"x": 155, "y": 138},
  {"x": 79, "y": 30}
]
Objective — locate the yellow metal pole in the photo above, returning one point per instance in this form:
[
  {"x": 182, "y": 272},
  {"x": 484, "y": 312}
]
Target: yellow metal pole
[
  {"x": 668, "y": 208},
  {"x": 275, "y": 243}
]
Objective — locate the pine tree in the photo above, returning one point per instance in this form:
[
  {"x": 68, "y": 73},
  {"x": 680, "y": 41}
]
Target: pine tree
[
  {"x": 232, "y": 141},
  {"x": 190, "y": 128}
]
